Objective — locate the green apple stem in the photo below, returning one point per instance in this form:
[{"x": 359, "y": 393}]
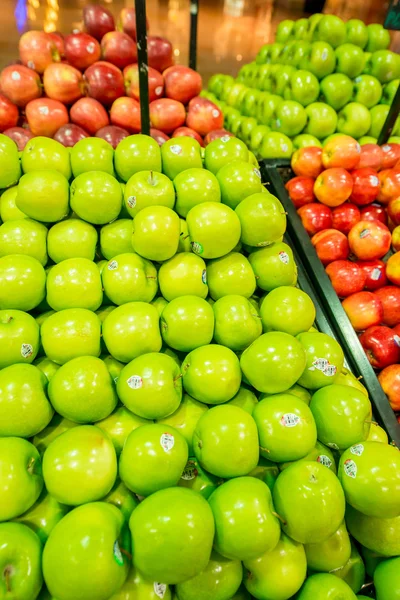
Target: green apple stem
[
  {"x": 31, "y": 466},
  {"x": 152, "y": 180},
  {"x": 126, "y": 553},
  {"x": 150, "y": 277},
  {"x": 177, "y": 378},
  {"x": 7, "y": 574},
  {"x": 282, "y": 520},
  {"x": 367, "y": 585},
  {"x": 264, "y": 449}
]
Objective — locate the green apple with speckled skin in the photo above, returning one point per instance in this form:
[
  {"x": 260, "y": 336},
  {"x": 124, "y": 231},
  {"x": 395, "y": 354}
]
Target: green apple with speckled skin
[
  {"x": 44, "y": 154},
  {"x": 245, "y": 399},
  {"x": 22, "y": 282},
  {"x": 185, "y": 418},
  {"x": 180, "y": 154},
  {"x": 137, "y": 587},
  {"x": 323, "y": 585},
  {"x": 71, "y": 238},
  {"x": 116, "y": 238},
  {"x": 183, "y": 275},
  {"x": 387, "y": 579},
  {"x": 137, "y": 153},
  {"x": 331, "y": 554},
  {"x": 74, "y": 283},
  {"x": 122, "y": 498},
  {"x": 156, "y": 231},
  {"x": 186, "y": 323},
  {"x": 96, "y": 197},
  {"x": 287, "y": 309},
  {"x": 129, "y": 277},
  {"x": 10, "y": 165},
  {"x": 262, "y": 218},
  {"x": 47, "y": 366},
  {"x": 56, "y": 427},
  {"x": 24, "y": 236},
  {"x": 378, "y": 534},
  {"x": 237, "y": 180},
  {"x": 8, "y": 207},
  {"x": 223, "y": 151},
  {"x": 214, "y": 229},
  {"x": 148, "y": 188},
  {"x": 377, "y": 434},
  {"x": 19, "y": 337},
  {"x": 92, "y": 154},
  {"x": 230, "y": 275},
  {"x": 119, "y": 424},
  {"x": 194, "y": 186},
  {"x": 43, "y": 516},
  {"x": 237, "y": 322},
  {"x": 274, "y": 266},
  {"x": 44, "y": 196}
]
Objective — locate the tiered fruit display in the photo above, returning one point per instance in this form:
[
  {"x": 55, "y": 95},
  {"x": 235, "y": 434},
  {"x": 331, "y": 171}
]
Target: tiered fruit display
[
  {"x": 347, "y": 197},
  {"x": 87, "y": 83},
  {"x": 321, "y": 76},
  {"x": 171, "y": 423}
]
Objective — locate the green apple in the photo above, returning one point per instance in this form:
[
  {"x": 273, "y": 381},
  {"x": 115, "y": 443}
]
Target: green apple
[
  {"x": 43, "y": 196},
  {"x": 367, "y": 139},
  {"x": 137, "y": 587},
  {"x": 193, "y": 187},
  {"x": 162, "y": 525},
  {"x": 378, "y": 534},
  {"x": 278, "y": 573},
  {"x": 290, "y": 118},
  {"x": 378, "y": 37},
  {"x": 92, "y": 154},
  {"x": 378, "y": 116},
  {"x": 122, "y": 498},
  {"x": 387, "y": 580},
  {"x": 72, "y": 238},
  {"x": 220, "y": 580},
  {"x": 286, "y": 428},
  {"x": 71, "y": 333},
  {"x": 246, "y": 524},
  {"x": 247, "y": 124},
  {"x": 215, "y": 83},
  {"x": 183, "y": 275},
  {"x": 43, "y": 516},
  {"x": 225, "y": 441},
  {"x": 211, "y": 374},
  {"x": 347, "y": 378},
  {"x": 159, "y": 303},
  {"x": 303, "y": 87},
  {"x": 266, "y": 471},
  {"x": 214, "y": 228},
  {"x": 267, "y": 106},
  {"x": 262, "y": 218},
  {"x": 287, "y": 309},
  {"x": 257, "y": 136},
  {"x": 24, "y": 407},
  {"x": 96, "y": 197},
  {"x": 195, "y": 478},
  {"x": 320, "y": 453},
  {"x": 353, "y": 572},
  {"x": 273, "y": 362},
  {"x": 300, "y": 392},
  {"x": 237, "y": 322},
  {"x": 131, "y": 330},
  {"x": 324, "y": 360},
  {"x": 342, "y": 415},
  {"x": 119, "y": 424},
  {"x": 234, "y": 97},
  {"x": 156, "y": 231},
  {"x": 284, "y": 31},
  {"x": 330, "y": 554},
  {"x": 116, "y": 238},
  {"x": 21, "y": 478},
  {"x": 349, "y": 60},
  {"x": 274, "y": 53},
  {"x": 44, "y": 154},
  {"x": 137, "y": 153},
  {"x": 153, "y": 458},
  {"x": 184, "y": 239},
  {"x": 230, "y": 274},
  {"x": 367, "y": 90},
  {"x": 238, "y": 179},
  {"x": 320, "y": 59},
  {"x": 295, "y": 54},
  {"x": 185, "y": 418},
  {"x": 80, "y": 465},
  {"x": 322, "y": 120},
  {"x": 151, "y": 386},
  {"x": 129, "y": 278},
  {"x": 10, "y": 165},
  {"x": 82, "y": 390},
  {"x": 56, "y": 427},
  {"x": 336, "y": 90},
  {"x": 74, "y": 283},
  {"x": 179, "y": 154},
  {"x": 19, "y": 338},
  {"x": 280, "y": 78},
  {"x": 274, "y": 266},
  {"x": 377, "y": 434},
  {"x": 369, "y": 474},
  {"x": 222, "y": 151},
  {"x": 95, "y": 565},
  {"x": 385, "y": 65},
  {"x": 325, "y": 585},
  {"x": 388, "y": 94},
  {"x": 354, "y": 120},
  {"x": 24, "y": 236},
  {"x": 20, "y": 562},
  {"x": 8, "y": 206},
  {"x": 47, "y": 366},
  {"x": 300, "y": 29},
  {"x": 22, "y": 282},
  {"x": 250, "y": 102},
  {"x": 356, "y": 33},
  {"x": 186, "y": 323},
  {"x": 245, "y": 399},
  {"x": 330, "y": 29},
  {"x": 310, "y": 500},
  {"x": 148, "y": 188},
  {"x": 275, "y": 145}
]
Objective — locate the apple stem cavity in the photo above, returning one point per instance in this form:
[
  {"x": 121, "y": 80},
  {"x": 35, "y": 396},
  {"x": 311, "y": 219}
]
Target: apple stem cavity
[
  {"x": 126, "y": 553},
  {"x": 31, "y": 466},
  {"x": 177, "y": 378},
  {"x": 152, "y": 179},
  {"x": 264, "y": 449},
  {"x": 282, "y": 520},
  {"x": 7, "y": 575}
]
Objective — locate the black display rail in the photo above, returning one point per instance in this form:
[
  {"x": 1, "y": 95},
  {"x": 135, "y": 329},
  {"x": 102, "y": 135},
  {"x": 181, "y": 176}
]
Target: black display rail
[{"x": 331, "y": 317}]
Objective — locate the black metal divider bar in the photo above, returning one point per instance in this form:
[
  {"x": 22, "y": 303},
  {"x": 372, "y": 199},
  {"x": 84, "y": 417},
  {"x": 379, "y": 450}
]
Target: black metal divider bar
[
  {"x": 194, "y": 12},
  {"x": 329, "y": 302},
  {"x": 390, "y": 119},
  {"x": 141, "y": 40}
]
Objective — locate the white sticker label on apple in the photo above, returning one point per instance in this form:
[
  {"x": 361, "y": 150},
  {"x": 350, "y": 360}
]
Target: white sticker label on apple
[
  {"x": 26, "y": 350},
  {"x": 285, "y": 147},
  {"x": 30, "y": 64},
  {"x": 262, "y": 244},
  {"x": 175, "y": 149},
  {"x": 375, "y": 274},
  {"x": 167, "y": 441},
  {"x": 158, "y": 90},
  {"x": 397, "y": 340},
  {"x": 323, "y": 459},
  {"x": 118, "y": 554},
  {"x": 358, "y": 449},
  {"x": 324, "y": 54},
  {"x": 190, "y": 471},
  {"x": 91, "y": 48},
  {"x": 215, "y": 113},
  {"x": 112, "y": 265},
  {"x": 333, "y": 445},
  {"x": 290, "y": 420},
  {"x": 364, "y": 233},
  {"x": 15, "y": 76},
  {"x": 197, "y": 247},
  {"x": 225, "y": 138},
  {"x": 284, "y": 257},
  {"x": 160, "y": 589},
  {"x": 131, "y": 202},
  {"x": 350, "y": 468},
  {"x": 135, "y": 382},
  {"x": 385, "y": 148},
  {"x": 257, "y": 172},
  {"x": 204, "y": 276},
  {"x": 323, "y": 365},
  {"x": 44, "y": 110},
  {"x": 374, "y": 180}
]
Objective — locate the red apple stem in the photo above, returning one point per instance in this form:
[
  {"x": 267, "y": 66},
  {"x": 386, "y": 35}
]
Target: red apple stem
[
  {"x": 126, "y": 553},
  {"x": 282, "y": 520}
]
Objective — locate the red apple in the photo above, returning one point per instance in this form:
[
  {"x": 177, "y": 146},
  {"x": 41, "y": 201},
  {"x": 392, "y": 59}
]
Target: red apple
[
  {"x": 390, "y": 298},
  {"x": 301, "y": 190},
  {"x": 333, "y": 186},
  {"x": 20, "y": 84},
  {"x": 330, "y": 245},
  {"x": 381, "y": 346},
  {"x": 371, "y": 156},
  {"x": 393, "y": 268},
  {"x": 390, "y": 185},
  {"x": 393, "y": 209},
  {"x": 20, "y": 135},
  {"x": 98, "y": 20},
  {"x": 37, "y": 50},
  {"x": 369, "y": 240},
  {"x": 8, "y": 114},
  {"x": 390, "y": 155},
  {"x": 63, "y": 82},
  {"x": 45, "y": 116},
  {"x": 374, "y": 212},
  {"x": 159, "y": 53},
  {"x": 68, "y": 135},
  {"x": 167, "y": 115},
  {"x": 125, "y": 113},
  {"x": 344, "y": 217},
  {"x": 182, "y": 83},
  {"x": 307, "y": 161},
  {"x": 105, "y": 82},
  {"x": 346, "y": 277},
  {"x": 396, "y": 239},
  {"x": 364, "y": 310},
  {"x": 216, "y": 134},
  {"x": 341, "y": 151},
  {"x": 89, "y": 114},
  {"x": 187, "y": 132},
  {"x": 131, "y": 79},
  {"x": 81, "y": 50},
  {"x": 315, "y": 217},
  {"x": 389, "y": 379},
  {"x": 159, "y": 136},
  {"x": 119, "y": 49},
  {"x": 127, "y": 19},
  {"x": 112, "y": 134},
  {"x": 204, "y": 116},
  {"x": 375, "y": 273},
  {"x": 366, "y": 186}
]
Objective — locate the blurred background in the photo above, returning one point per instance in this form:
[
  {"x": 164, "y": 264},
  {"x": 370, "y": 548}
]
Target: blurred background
[{"x": 230, "y": 31}]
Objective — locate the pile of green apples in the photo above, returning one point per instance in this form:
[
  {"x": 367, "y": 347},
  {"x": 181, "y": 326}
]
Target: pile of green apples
[
  {"x": 172, "y": 425},
  {"x": 321, "y": 76}
]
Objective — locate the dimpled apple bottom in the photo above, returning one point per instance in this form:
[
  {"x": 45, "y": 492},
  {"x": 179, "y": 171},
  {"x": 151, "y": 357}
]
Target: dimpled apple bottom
[{"x": 171, "y": 423}]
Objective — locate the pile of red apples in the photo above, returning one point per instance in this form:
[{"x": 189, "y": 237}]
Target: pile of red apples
[
  {"x": 348, "y": 199},
  {"x": 87, "y": 84}
]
